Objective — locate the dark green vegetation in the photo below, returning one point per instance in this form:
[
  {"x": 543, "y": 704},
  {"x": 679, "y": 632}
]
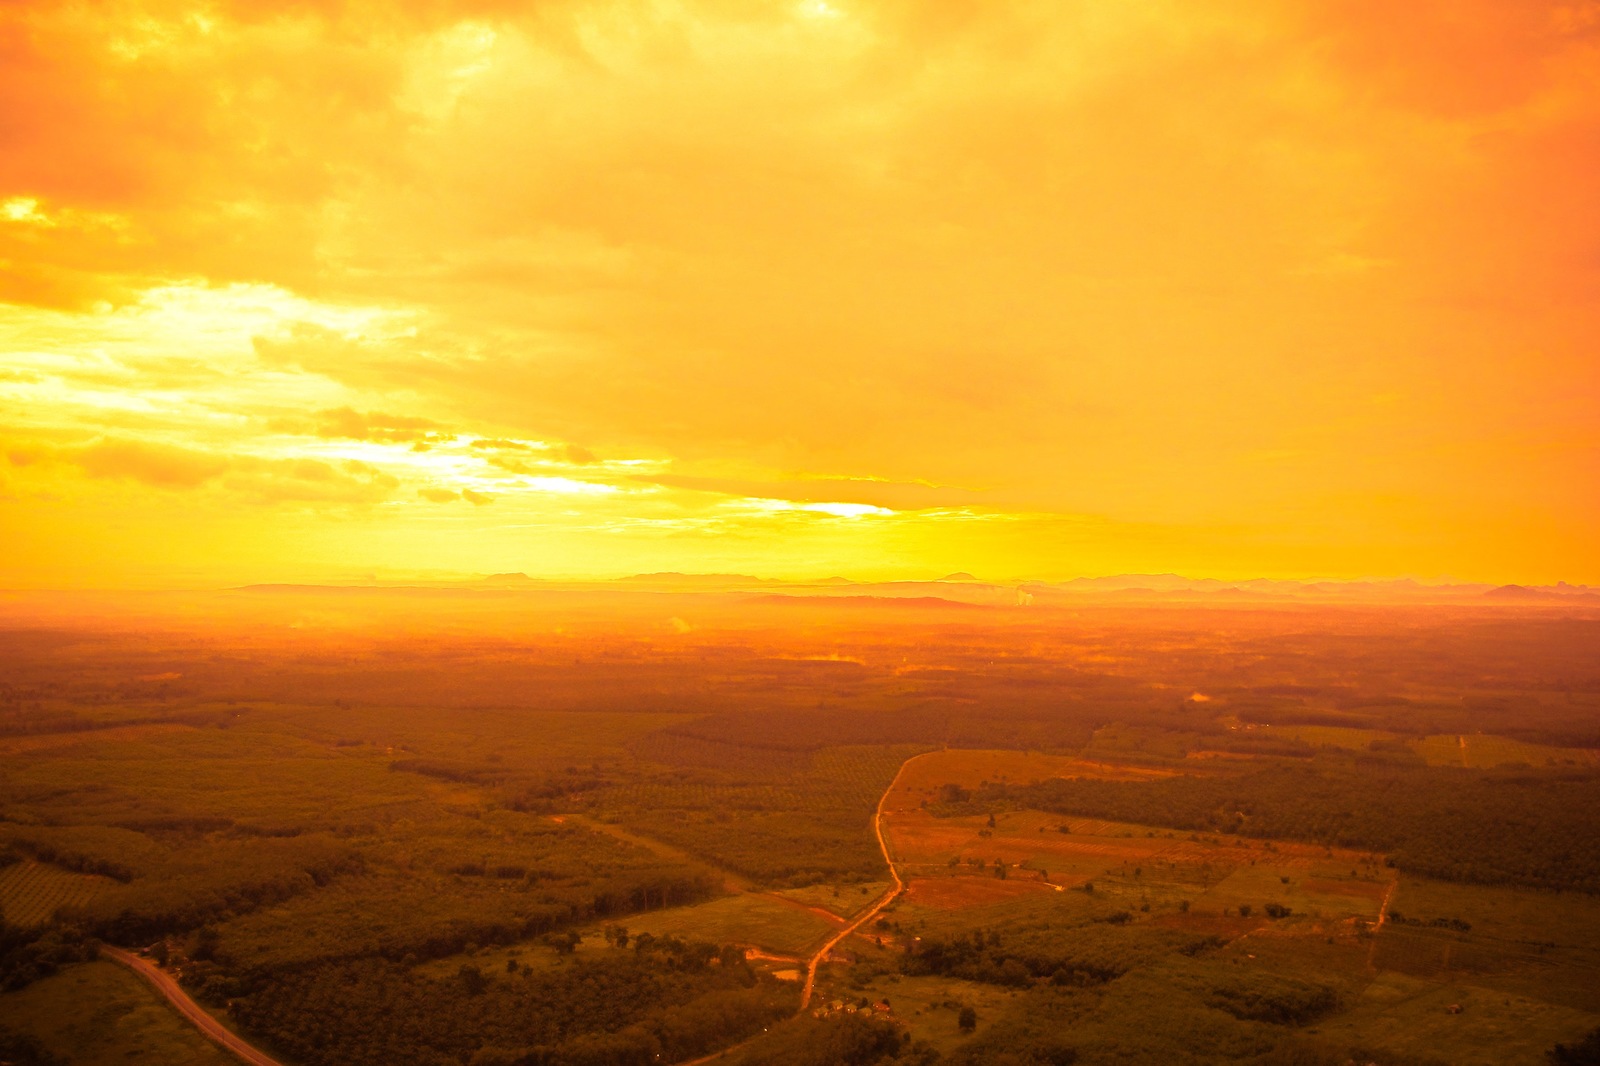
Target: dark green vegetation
[
  {"x": 1079, "y": 954},
  {"x": 1585, "y": 1052},
  {"x": 20, "y": 1049},
  {"x": 98, "y": 1014},
  {"x": 1514, "y": 826},
  {"x": 331, "y": 815},
  {"x": 659, "y": 1001},
  {"x": 792, "y": 826}
]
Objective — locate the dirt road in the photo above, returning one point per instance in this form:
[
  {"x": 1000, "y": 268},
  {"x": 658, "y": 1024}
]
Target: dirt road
[
  {"x": 866, "y": 916},
  {"x": 872, "y": 911},
  {"x": 162, "y": 982}
]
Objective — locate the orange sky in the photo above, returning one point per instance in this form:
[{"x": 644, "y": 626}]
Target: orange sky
[{"x": 298, "y": 291}]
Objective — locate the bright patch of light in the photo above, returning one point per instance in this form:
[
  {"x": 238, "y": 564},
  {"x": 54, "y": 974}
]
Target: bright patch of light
[
  {"x": 837, "y": 510},
  {"x": 444, "y": 69},
  {"x": 24, "y": 209},
  {"x": 819, "y": 9},
  {"x": 253, "y": 309},
  {"x": 845, "y": 510},
  {"x": 565, "y": 485}
]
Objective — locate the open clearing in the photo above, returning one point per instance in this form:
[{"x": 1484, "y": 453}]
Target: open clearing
[
  {"x": 98, "y": 1014},
  {"x": 1480, "y": 751},
  {"x": 969, "y": 768}
]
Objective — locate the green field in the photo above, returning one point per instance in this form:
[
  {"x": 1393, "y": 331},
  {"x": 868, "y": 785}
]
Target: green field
[
  {"x": 928, "y": 1006},
  {"x": 1484, "y": 752},
  {"x": 751, "y": 920},
  {"x": 32, "y": 892},
  {"x": 1480, "y": 751},
  {"x": 98, "y": 1014},
  {"x": 844, "y": 900}
]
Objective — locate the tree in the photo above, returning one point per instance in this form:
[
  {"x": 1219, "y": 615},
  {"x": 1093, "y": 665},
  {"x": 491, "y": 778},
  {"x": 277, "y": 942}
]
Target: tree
[
  {"x": 1585, "y": 1052},
  {"x": 967, "y": 1019},
  {"x": 472, "y": 979}
]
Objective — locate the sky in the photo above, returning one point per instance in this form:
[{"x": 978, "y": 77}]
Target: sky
[{"x": 303, "y": 291}]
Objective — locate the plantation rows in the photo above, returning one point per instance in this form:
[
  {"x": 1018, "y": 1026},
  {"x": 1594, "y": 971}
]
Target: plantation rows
[{"x": 32, "y": 892}]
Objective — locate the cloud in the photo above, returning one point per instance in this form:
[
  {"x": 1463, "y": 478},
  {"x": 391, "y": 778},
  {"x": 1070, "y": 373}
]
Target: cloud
[
  {"x": 161, "y": 465},
  {"x": 1083, "y": 258},
  {"x": 263, "y": 480},
  {"x": 827, "y": 490},
  {"x": 353, "y": 425},
  {"x": 503, "y": 445},
  {"x": 437, "y": 495}
]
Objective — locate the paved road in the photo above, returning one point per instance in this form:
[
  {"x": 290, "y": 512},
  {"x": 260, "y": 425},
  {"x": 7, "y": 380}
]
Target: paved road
[{"x": 162, "y": 982}]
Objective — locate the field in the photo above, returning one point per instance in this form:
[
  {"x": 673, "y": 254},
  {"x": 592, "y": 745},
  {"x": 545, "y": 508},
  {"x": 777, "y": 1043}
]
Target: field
[
  {"x": 846, "y": 901},
  {"x": 1484, "y": 752},
  {"x": 971, "y": 767},
  {"x": 32, "y": 892},
  {"x": 1474, "y": 750},
  {"x": 99, "y": 1014},
  {"x": 1158, "y": 867},
  {"x": 774, "y": 931},
  {"x": 1122, "y": 901}
]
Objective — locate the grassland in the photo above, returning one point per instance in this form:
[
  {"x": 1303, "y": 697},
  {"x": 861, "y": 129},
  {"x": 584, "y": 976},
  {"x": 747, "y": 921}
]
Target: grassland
[
  {"x": 1480, "y": 751},
  {"x": 97, "y": 1014},
  {"x": 32, "y": 892},
  {"x": 844, "y": 900}
]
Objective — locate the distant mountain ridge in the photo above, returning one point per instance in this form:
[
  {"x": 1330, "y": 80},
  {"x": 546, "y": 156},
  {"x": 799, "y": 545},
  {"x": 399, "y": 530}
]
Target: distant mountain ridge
[{"x": 963, "y": 587}]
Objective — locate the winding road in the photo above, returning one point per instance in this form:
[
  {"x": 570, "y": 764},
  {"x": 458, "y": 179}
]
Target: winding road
[
  {"x": 197, "y": 1015},
  {"x": 834, "y": 941},
  {"x": 872, "y": 911}
]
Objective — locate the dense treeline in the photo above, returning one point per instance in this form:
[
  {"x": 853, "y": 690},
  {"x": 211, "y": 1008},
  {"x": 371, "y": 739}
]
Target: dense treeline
[
  {"x": 151, "y": 908},
  {"x": 395, "y": 917},
  {"x": 1272, "y": 998},
  {"x": 28, "y": 954},
  {"x": 1085, "y": 955},
  {"x": 67, "y": 859},
  {"x": 662, "y": 1001},
  {"x": 20, "y": 1049},
  {"x": 810, "y": 824},
  {"x": 840, "y": 1040},
  {"x": 1533, "y": 828}
]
